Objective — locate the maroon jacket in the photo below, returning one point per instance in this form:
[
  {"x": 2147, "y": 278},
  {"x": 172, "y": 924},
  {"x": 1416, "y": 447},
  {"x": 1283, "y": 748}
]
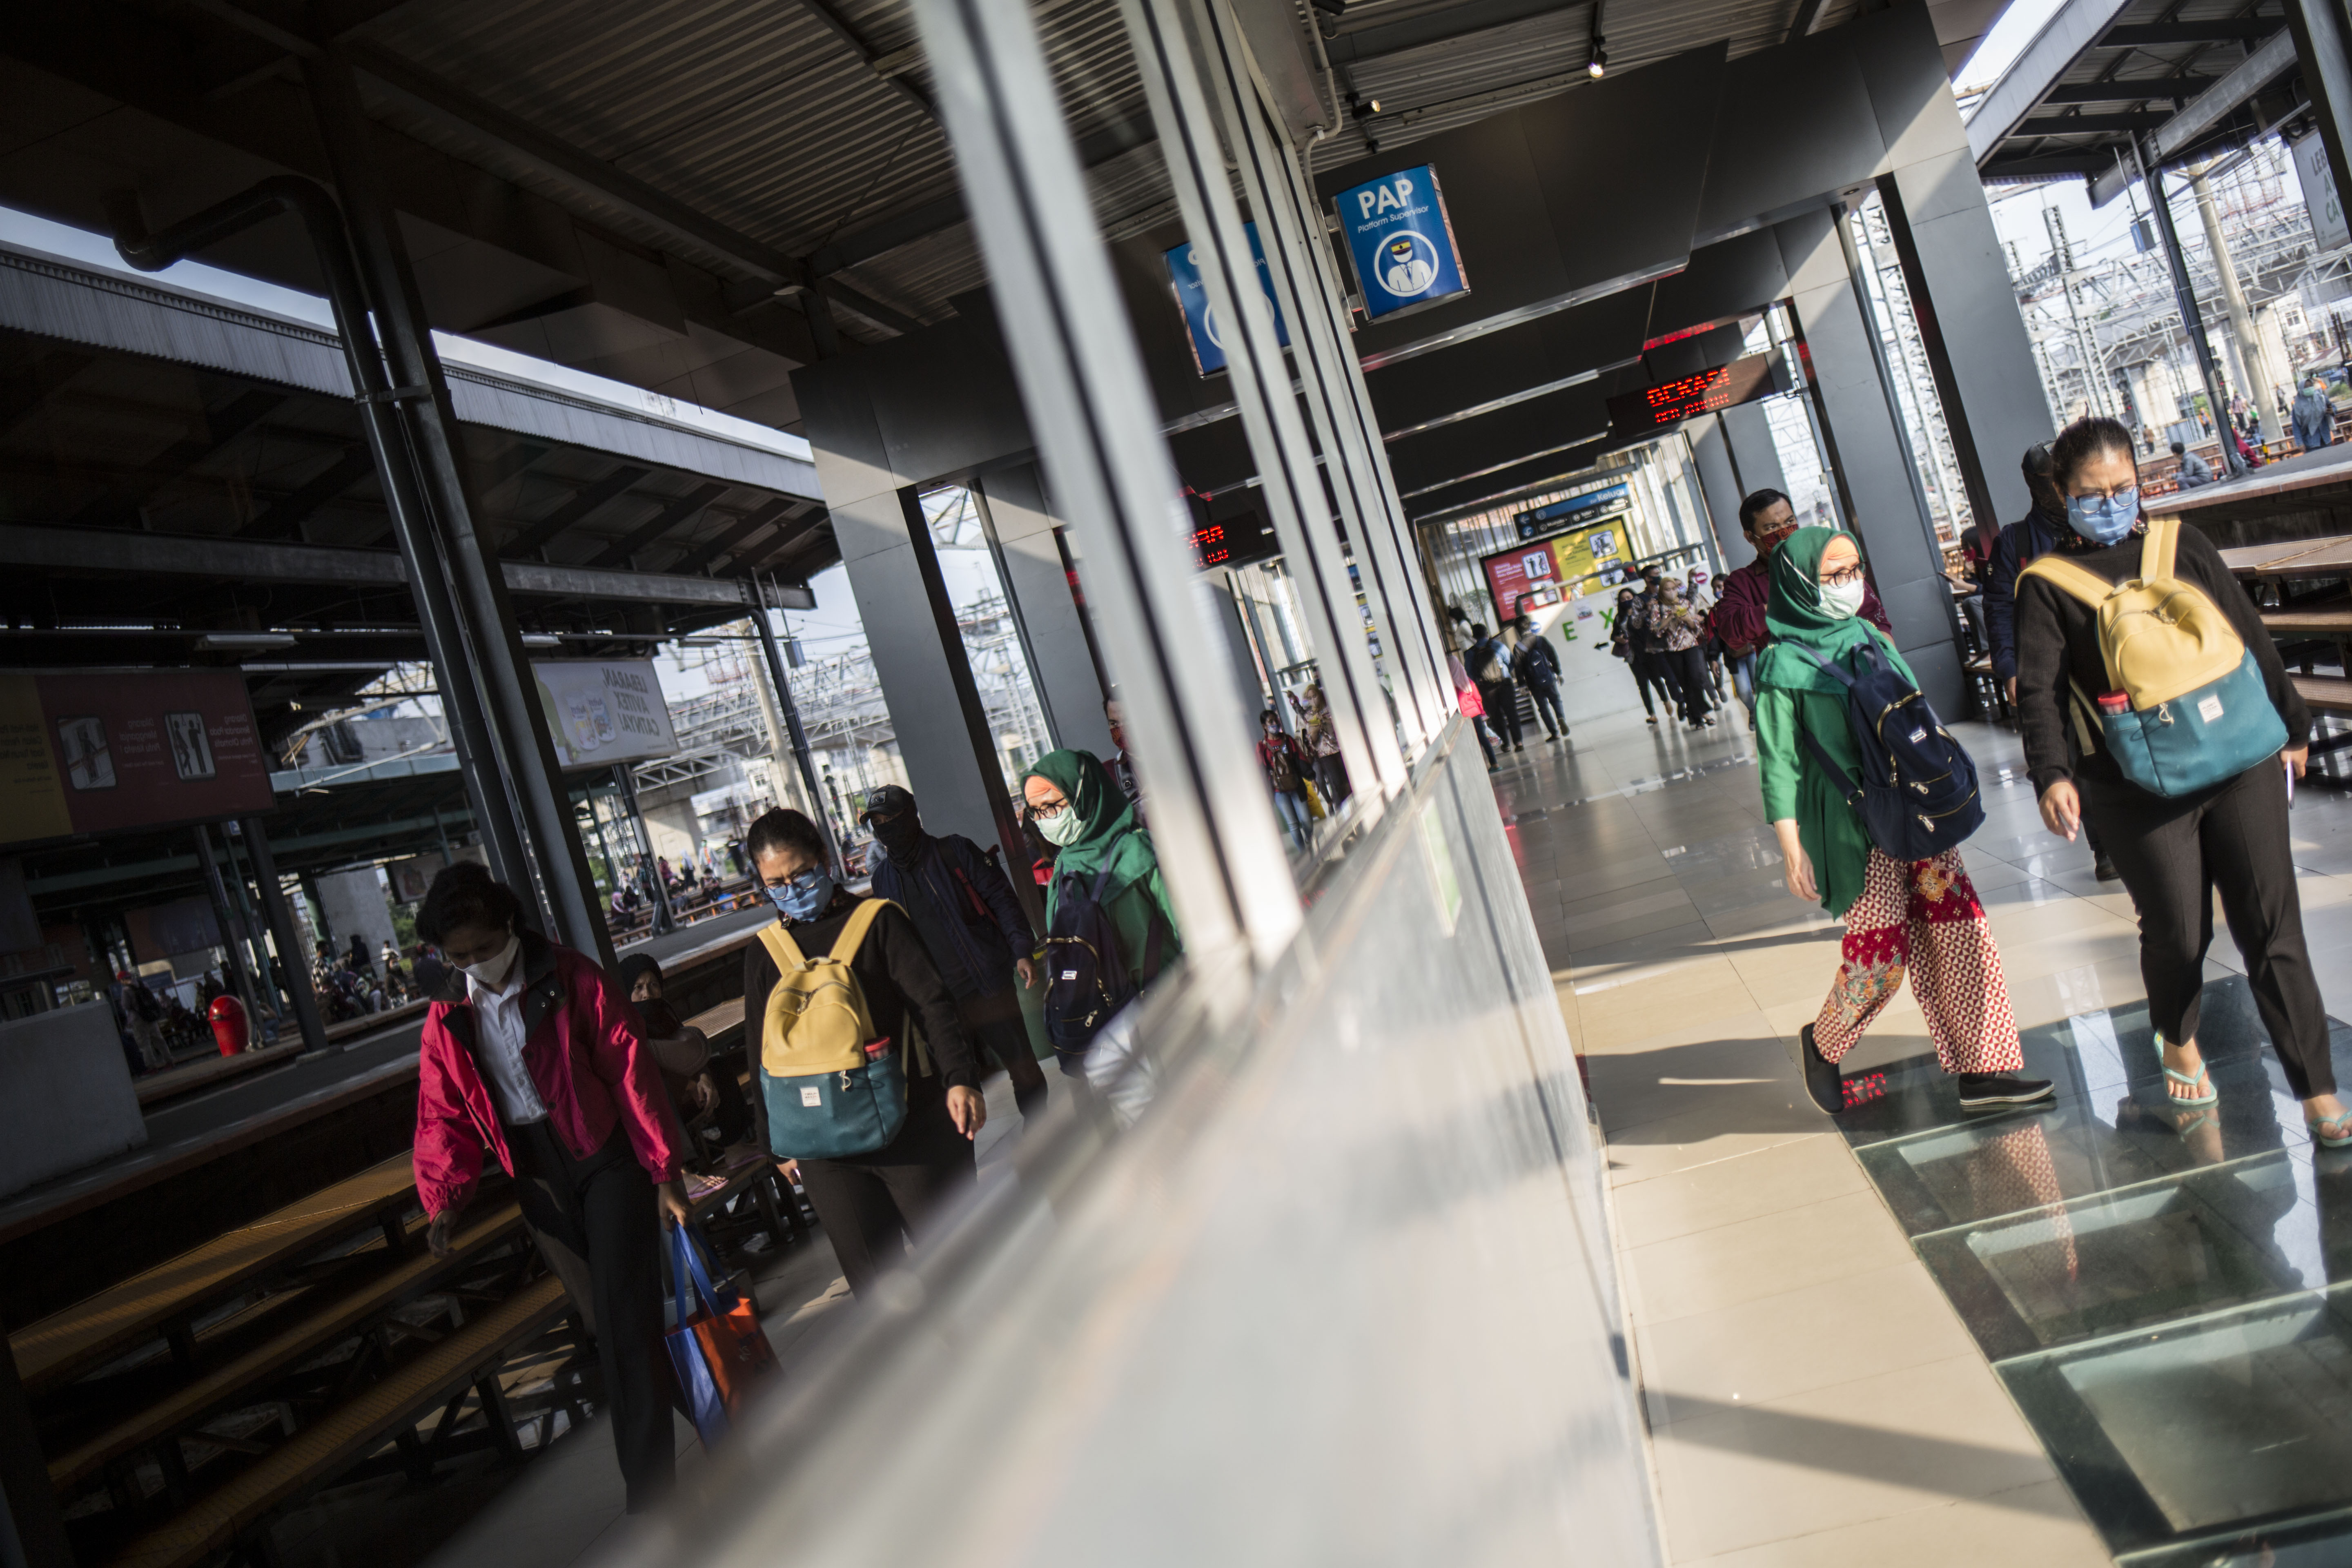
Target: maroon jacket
[
  {"x": 1738, "y": 620},
  {"x": 583, "y": 1054}
]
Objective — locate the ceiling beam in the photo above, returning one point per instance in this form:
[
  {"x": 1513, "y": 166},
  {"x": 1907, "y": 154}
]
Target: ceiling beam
[
  {"x": 536, "y": 536},
  {"x": 1443, "y": 25},
  {"x": 2143, "y": 35},
  {"x": 1809, "y": 12},
  {"x": 2128, "y": 90},
  {"x": 125, "y": 553},
  {"x": 2267, "y": 61},
  {"x": 685, "y": 507},
  {"x": 943, "y": 212},
  {"x": 285, "y": 516},
  {"x": 889, "y": 73},
  {"x": 24, "y": 390},
  {"x": 122, "y": 499},
  {"x": 2122, "y": 124},
  {"x": 788, "y": 538},
  {"x": 744, "y": 528}
]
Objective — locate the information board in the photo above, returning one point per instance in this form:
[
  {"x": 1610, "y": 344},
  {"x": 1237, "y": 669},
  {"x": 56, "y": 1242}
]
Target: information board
[
  {"x": 1202, "y": 329},
  {"x": 601, "y": 711},
  {"x": 1565, "y": 566},
  {"x": 1233, "y": 541},
  {"x": 99, "y": 753},
  {"x": 1655, "y": 408},
  {"x": 1590, "y": 507},
  {"x": 1401, "y": 242}
]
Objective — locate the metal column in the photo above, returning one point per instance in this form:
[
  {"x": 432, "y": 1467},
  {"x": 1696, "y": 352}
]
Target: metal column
[
  {"x": 2185, "y": 295},
  {"x": 648, "y": 867},
  {"x": 780, "y": 677},
  {"x": 975, "y": 713},
  {"x": 436, "y": 615},
  {"x": 1082, "y": 377},
  {"x": 1291, "y": 484},
  {"x": 281, "y": 915},
  {"x": 526, "y": 752},
  {"x": 232, "y": 936}
]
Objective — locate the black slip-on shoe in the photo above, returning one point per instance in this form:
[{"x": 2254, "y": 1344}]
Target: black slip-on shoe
[
  {"x": 2104, "y": 870},
  {"x": 1823, "y": 1080},
  {"x": 1991, "y": 1091}
]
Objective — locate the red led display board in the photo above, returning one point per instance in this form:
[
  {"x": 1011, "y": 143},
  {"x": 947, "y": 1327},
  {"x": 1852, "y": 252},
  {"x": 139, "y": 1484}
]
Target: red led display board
[
  {"x": 1654, "y": 408},
  {"x": 1234, "y": 541}
]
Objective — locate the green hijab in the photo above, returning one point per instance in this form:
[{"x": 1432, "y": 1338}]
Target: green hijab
[
  {"x": 1797, "y": 620},
  {"x": 1109, "y": 835}
]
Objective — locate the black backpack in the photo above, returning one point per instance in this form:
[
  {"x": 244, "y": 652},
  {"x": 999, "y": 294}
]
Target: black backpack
[
  {"x": 1917, "y": 795},
  {"x": 1086, "y": 982}
]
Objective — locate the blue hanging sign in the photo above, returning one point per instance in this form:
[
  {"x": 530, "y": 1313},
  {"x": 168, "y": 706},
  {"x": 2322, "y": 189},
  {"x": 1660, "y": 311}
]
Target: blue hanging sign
[
  {"x": 1401, "y": 242},
  {"x": 1201, "y": 324}
]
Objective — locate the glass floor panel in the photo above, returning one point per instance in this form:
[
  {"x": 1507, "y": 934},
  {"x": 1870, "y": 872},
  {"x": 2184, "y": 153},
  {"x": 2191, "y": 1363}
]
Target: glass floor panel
[{"x": 2166, "y": 1292}]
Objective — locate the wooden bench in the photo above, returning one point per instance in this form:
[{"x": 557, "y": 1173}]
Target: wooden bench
[
  {"x": 469, "y": 1356},
  {"x": 329, "y": 1322},
  {"x": 67, "y": 1343},
  {"x": 206, "y": 1071}
]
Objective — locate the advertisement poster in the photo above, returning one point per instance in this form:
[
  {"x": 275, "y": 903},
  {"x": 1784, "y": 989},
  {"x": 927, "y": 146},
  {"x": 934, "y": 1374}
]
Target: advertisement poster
[
  {"x": 1565, "y": 566},
  {"x": 1206, "y": 333},
  {"x": 2329, "y": 230},
  {"x": 99, "y": 753},
  {"x": 1401, "y": 242},
  {"x": 603, "y": 712}
]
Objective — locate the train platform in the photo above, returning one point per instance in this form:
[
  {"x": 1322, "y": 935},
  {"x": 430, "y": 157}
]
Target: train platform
[{"x": 1911, "y": 1333}]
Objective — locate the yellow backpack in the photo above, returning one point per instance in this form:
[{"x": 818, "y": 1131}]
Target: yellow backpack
[
  {"x": 2199, "y": 710},
  {"x": 830, "y": 1086},
  {"x": 2162, "y": 637}
]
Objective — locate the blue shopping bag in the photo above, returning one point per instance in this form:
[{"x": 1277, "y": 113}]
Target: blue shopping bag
[{"x": 716, "y": 1343}]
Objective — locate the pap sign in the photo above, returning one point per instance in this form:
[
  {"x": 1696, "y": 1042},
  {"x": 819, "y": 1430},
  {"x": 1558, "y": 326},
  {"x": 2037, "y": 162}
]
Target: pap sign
[{"x": 1401, "y": 242}]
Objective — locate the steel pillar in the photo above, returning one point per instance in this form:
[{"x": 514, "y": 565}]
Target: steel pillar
[
  {"x": 2184, "y": 294},
  {"x": 780, "y": 674},
  {"x": 281, "y": 915},
  {"x": 1107, "y": 465},
  {"x": 525, "y": 751}
]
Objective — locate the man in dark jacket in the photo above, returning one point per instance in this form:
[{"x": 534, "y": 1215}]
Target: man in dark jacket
[
  {"x": 2041, "y": 530},
  {"x": 1489, "y": 664},
  {"x": 1768, "y": 518},
  {"x": 1537, "y": 667},
  {"x": 975, "y": 929}
]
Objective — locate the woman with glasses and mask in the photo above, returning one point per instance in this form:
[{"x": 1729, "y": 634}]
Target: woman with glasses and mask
[
  {"x": 872, "y": 1203},
  {"x": 2173, "y": 851},
  {"x": 533, "y": 1053},
  {"x": 1081, "y": 813},
  {"x": 1921, "y": 918}
]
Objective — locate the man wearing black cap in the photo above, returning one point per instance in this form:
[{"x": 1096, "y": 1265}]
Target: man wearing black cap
[{"x": 978, "y": 936}]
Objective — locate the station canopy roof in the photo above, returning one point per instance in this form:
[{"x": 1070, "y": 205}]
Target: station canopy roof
[{"x": 2193, "y": 79}]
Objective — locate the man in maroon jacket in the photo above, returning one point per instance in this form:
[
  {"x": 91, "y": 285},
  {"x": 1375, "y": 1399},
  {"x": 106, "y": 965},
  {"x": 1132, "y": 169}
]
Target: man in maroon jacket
[{"x": 1766, "y": 518}]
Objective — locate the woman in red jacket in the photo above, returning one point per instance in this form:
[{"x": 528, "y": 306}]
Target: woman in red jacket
[{"x": 529, "y": 1052}]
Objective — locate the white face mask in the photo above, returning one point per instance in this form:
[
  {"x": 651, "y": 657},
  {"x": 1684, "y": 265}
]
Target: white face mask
[
  {"x": 492, "y": 972},
  {"x": 1062, "y": 829},
  {"x": 1842, "y": 601}
]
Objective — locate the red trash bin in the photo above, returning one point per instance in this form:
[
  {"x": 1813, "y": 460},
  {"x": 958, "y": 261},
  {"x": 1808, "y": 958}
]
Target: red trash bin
[{"x": 227, "y": 1015}]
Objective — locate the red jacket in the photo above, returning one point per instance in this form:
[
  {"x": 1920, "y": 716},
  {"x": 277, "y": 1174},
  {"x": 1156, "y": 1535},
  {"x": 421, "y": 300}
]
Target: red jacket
[
  {"x": 577, "y": 1020},
  {"x": 1737, "y": 619}
]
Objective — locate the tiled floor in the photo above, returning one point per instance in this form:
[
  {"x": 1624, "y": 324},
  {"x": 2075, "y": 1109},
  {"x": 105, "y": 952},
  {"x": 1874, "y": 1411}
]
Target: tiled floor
[{"x": 1817, "y": 1307}]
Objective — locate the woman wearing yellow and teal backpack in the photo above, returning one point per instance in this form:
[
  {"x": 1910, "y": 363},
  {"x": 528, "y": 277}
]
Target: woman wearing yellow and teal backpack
[
  {"x": 863, "y": 1078},
  {"x": 2154, "y": 706}
]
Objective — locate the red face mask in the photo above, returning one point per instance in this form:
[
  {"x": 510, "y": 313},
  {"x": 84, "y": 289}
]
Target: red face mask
[{"x": 1766, "y": 544}]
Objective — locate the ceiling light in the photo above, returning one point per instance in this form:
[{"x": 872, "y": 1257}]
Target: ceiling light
[
  {"x": 241, "y": 642},
  {"x": 1597, "y": 65},
  {"x": 1365, "y": 108},
  {"x": 541, "y": 639}
]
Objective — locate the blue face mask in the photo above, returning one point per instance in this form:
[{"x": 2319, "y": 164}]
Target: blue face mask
[
  {"x": 804, "y": 897},
  {"x": 2103, "y": 519}
]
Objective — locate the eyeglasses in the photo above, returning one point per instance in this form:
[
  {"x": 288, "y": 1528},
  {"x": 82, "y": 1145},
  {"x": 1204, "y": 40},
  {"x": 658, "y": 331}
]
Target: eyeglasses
[
  {"x": 803, "y": 880},
  {"x": 1048, "y": 811},
  {"x": 2105, "y": 493},
  {"x": 1843, "y": 577}
]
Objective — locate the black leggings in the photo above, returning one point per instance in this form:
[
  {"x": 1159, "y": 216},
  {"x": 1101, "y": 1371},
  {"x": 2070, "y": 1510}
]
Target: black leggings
[
  {"x": 595, "y": 1218},
  {"x": 1502, "y": 702},
  {"x": 1685, "y": 670},
  {"x": 1649, "y": 673},
  {"x": 2172, "y": 855},
  {"x": 870, "y": 1204},
  {"x": 995, "y": 1028}
]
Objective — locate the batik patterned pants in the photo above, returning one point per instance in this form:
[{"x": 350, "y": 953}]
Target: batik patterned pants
[{"x": 1923, "y": 918}]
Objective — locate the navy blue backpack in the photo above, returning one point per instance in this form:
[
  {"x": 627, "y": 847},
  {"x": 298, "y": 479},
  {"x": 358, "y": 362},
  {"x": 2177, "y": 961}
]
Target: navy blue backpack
[
  {"x": 1086, "y": 982},
  {"x": 1917, "y": 795}
]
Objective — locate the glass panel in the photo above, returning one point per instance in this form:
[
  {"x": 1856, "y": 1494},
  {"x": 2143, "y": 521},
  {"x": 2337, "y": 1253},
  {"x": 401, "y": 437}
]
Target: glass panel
[
  {"x": 1933, "y": 459},
  {"x": 993, "y": 643}
]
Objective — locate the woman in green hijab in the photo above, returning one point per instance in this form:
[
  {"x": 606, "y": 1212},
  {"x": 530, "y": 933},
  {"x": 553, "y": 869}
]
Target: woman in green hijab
[
  {"x": 1923, "y": 918},
  {"x": 1093, "y": 830}
]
